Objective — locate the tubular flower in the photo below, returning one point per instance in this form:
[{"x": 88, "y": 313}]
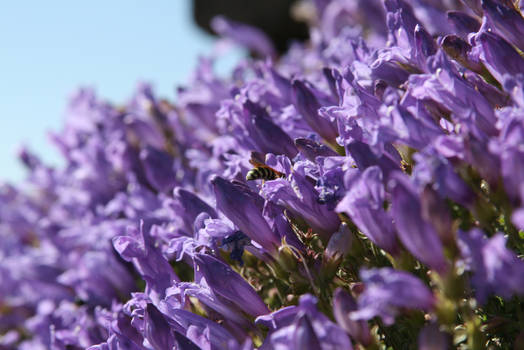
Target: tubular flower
[{"x": 386, "y": 192}]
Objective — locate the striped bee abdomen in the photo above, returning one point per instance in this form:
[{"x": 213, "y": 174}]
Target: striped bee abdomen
[{"x": 262, "y": 173}]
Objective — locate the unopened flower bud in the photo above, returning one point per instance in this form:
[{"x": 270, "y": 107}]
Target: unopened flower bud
[
  {"x": 339, "y": 244},
  {"x": 286, "y": 258}
]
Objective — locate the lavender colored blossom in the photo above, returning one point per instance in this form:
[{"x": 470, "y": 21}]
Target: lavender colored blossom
[
  {"x": 506, "y": 20},
  {"x": 308, "y": 104},
  {"x": 463, "y": 23},
  {"x": 225, "y": 282},
  {"x": 499, "y": 56},
  {"x": 343, "y": 306},
  {"x": 398, "y": 129},
  {"x": 138, "y": 248},
  {"x": 240, "y": 207},
  {"x": 387, "y": 290},
  {"x": 299, "y": 196},
  {"x": 244, "y": 35},
  {"x": 496, "y": 268},
  {"x": 157, "y": 330},
  {"x": 301, "y": 325},
  {"x": 417, "y": 235},
  {"x": 364, "y": 204}
]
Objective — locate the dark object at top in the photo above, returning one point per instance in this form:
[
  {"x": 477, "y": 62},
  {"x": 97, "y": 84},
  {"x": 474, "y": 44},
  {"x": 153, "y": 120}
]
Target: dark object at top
[{"x": 271, "y": 16}]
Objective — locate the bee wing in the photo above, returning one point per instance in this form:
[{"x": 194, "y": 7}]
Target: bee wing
[{"x": 257, "y": 159}]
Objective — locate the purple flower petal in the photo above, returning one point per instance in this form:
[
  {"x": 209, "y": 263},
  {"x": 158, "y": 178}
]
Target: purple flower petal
[
  {"x": 230, "y": 285},
  {"x": 387, "y": 290}
]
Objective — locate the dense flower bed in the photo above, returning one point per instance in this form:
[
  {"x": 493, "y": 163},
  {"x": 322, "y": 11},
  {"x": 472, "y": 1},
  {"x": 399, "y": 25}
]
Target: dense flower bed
[{"x": 396, "y": 136}]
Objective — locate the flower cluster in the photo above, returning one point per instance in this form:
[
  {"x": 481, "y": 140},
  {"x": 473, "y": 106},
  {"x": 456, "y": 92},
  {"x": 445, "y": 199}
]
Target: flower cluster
[{"x": 388, "y": 210}]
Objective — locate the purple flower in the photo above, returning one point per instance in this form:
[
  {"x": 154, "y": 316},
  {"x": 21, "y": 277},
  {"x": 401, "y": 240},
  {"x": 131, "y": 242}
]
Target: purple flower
[
  {"x": 299, "y": 196},
  {"x": 435, "y": 170},
  {"x": 203, "y": 332},
  {"x": 240, "y": 207},
  {"x": 364, "y": 204},
  {"x": 330, "y": 183},
  {"x": 307, "y": 103},
  {"x": 304, "y": 335},
  {"x": 365, "y": 157},
  {"x": 138, "y": 248},
  {"x": 515, "y": 86},
  {"x": 462, "y": 52},
  {"x": 499, "y": 57},
  {"x": 505, "y": 20},
  {"x": 445, "y": 87},
  {"x": 295, "y": 326},
  {"x": 188, "y": 206},
  {"x": 184, "y": 343},
  {"x": 414, "y": 132},
  {"x": 343, "y": 306},
  {"x": 463, "y": 23},
  {"x": 391, "y": 72},
  {"x": 267, "y": 135},
  {"x": 417, "y": 235},
  {"x": 508, "y": 147},
  {"x": 225, "y": 282},
  {"x": 388, "y": 290},
  {"x": 311, "y": 149},
  {"x": 381, "y": 90},
  {"x": 157, "y": 330},
  {"x": 474, "y": 5},
  {"x": 244, "y": 35},
  {"x": 99, "y": 279},
  {"x": 178, "y": 295},
  {"x": 339, "y": 244},
  {"x": 496, "y": 269}
]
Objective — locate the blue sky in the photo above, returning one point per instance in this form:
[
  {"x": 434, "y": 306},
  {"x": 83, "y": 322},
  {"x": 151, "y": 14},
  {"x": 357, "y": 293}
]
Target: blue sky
[{"x": 50, "y": 48}]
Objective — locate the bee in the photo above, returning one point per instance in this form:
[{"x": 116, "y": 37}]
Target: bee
[{"x": 262, "y": 171}]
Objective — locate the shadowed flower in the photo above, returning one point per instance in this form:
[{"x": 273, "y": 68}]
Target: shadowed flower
[
  {"x": 227, "y": 283},
  {"x": 496, "y": 269},
  {"x": 499, "y": 56},
  {"x": 364, "y": 204},
  {"x": 463, "y": 23},
  {"x": 343, "y": 306},
  {"x": 308, "y": 104},
  {"x": 299, "y": 196},
  {"x": 387, "y": 291},
  {"x": 295, "y": 326},
  {"x": 157, "y": 330},
  {"x": 417, "y": 235},
  {"x": 137, "y": 247},
  {"x": 506, "y": 21},
  {"x": 240, "y": 207},
  {"x": 244, "y": 35}
]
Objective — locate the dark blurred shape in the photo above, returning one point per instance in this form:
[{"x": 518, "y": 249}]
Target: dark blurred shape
[{"x": 271, "y": 16}]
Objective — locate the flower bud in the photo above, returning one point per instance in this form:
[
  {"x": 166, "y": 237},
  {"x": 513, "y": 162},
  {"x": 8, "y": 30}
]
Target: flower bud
[{"x": 287, "y": 259}]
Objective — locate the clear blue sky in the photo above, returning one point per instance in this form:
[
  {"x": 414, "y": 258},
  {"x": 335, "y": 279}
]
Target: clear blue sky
[{"x": 50, "y": 48}]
